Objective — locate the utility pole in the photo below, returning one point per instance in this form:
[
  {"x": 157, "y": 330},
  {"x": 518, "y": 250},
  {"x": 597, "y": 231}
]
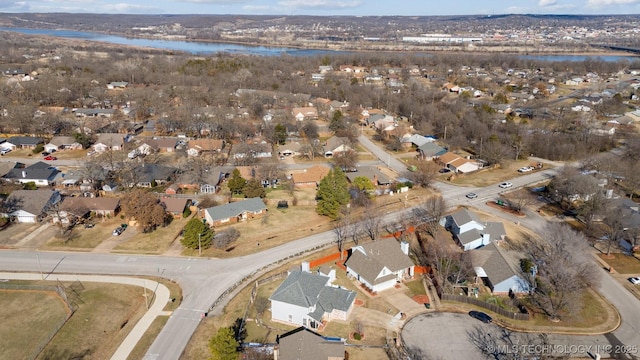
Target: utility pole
[
  {"x": 199, "y": 244},
  {"x": 39, "y": 265}
]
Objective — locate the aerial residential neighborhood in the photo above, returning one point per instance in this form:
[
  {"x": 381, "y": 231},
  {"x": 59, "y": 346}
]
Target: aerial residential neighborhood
[{"x": 397, "y": 188}]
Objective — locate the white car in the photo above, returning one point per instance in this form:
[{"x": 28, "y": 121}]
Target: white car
[
  {"x": 525, "y": 169},
  {"x": 635, "y": 280},
  {"x": 505, "y": 185},
  {"x": 4, "y": 151}
]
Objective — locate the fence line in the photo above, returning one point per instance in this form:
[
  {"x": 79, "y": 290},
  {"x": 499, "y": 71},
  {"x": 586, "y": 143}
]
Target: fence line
[
  {"x": 483, "y": 304},
  {"x": 57, "y": 289}
]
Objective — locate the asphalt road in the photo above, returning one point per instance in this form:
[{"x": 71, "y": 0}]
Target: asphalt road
[{"x": 204, "y": 280}]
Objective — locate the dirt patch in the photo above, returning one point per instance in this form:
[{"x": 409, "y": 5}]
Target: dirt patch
[{"x": 421, "y": 299}]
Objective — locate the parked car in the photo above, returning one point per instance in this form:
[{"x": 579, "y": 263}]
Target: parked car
[
  {"x": 471, "y": 195},
  {"x": 505, "y": 185},
  {"x": 635, "y": 280},
  {"x": 50, "y": 157},
  {"x": 480, "y": 316},
  {"x": 46, "y": 153},
  {"x": 4, "y": 151},
  {"x": 525, "y": 169},
  {"x": 444, "y": 171},
  {"x": 119, "y": 230}
]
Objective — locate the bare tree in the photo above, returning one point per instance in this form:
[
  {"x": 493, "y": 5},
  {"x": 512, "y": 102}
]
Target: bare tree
[
  {"x": 564, "y": 270},
  {"x": 613, "y": 227},
  {"x": 451, "y": 265},
  {"x": 372, "y": 223},
  {"x": 424, "y": 173},
  {"x": 503, "y": 344},
  {"x": 429, "y": 214},
  {"x": 340, "y": 229}
]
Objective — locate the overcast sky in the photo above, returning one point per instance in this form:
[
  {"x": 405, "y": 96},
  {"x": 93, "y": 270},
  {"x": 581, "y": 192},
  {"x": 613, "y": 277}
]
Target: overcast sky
[{"x": 328, "y": 7}]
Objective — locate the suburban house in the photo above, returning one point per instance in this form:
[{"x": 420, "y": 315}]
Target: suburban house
[
  {"x": 235, "y": 212},
  {"x": 58, "y": 143},
  {"x": 82, "y": 207},
  {"x": 24, "y": 142},
  {"x": 380, "y": 264},
  {"x": 145, "y": 175},
  {"x": 175, "y": 206},
  {"x": 305, "y": 113},
  {"x": 246, "y": 151},
  {"x": 470, "y": 231},
  {"x": 430, "y": 151},
  {"x": 40, "y": 173},
  {"x": 105, "y": 113},
  {"x": 309, "y": 300},
  {"x": 109, "y": 141},
  {"x": 335, "y": 145},
  {"x": 458, "y": 164},
  {"x": 201, "y": 146},
  {"x": 290, "y": 149},
  {"x": 416, "y": 140},
  {"x": 372, "y": 173},
  {"x": 31, "y": 206},
  {"x": 164, "y": 144},
  {"x": 302, "y": 343},
  {"x": 499, "y": 269},
  {"x": 310, "y": 177}
]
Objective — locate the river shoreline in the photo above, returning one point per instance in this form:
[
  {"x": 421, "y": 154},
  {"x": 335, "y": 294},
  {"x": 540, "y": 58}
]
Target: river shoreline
[{"x": 345, "y": 48}]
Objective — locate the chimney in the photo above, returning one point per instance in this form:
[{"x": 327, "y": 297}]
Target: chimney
[
  {"x": 404, "y": 246},
  {"x": 305, "y": 267}
]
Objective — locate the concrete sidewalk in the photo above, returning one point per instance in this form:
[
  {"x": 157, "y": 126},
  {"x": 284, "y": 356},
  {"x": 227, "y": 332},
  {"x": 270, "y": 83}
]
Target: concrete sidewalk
[{"x": 161, "y": 299}]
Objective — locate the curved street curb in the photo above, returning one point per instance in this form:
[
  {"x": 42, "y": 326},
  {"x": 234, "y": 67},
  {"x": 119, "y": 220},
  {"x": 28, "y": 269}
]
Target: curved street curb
[{"x": 160, "y": 300}]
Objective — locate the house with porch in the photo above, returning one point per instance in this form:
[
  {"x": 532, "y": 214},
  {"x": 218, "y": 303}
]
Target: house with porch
[
  {"x": 199, "y": 147},
  {"x": 309, "y": 300},
  {"x": 234, "y": 212},
  {"x": 75, "y": 208},
  {"x": 109, "y": 141},
  {"x": 335, "y": 145},
  {"x": 305, "y": 113},
  {"x": 380, "y": 264},
  {"x": 470, "y": 231},
  {"x": 24, "y": 142}
]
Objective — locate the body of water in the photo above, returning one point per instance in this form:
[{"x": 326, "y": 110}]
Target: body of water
[{"x": 205, "y": 48}]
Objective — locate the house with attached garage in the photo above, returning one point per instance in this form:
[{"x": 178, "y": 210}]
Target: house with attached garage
[
  {"x": 40, "y": 173},
  {"x": 110, "y": 141},
  {"x": 235, "y": 212},
  {"x": 380, "y": 264},
  {"x": 309, "y": 300},
  {"x": 198, "y": 147},
  {"x": 335, "y": 145},
  {"x": 74, "y": 208},
  {"x": 310, "y": 177},
  {"x": 31, "y": 206},
  {"x": 302, "y": 343},
  {"x": 58, "y": 143},
  {"x": 499, "y": 269},
  {"x": 470, "y": 231}
]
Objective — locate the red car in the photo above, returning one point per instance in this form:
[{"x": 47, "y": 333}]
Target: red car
[{"x": 50, "y": 158}]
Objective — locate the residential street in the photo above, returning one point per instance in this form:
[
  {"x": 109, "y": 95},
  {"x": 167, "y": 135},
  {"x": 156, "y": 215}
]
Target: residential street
[{"x": 204, "y": 280}]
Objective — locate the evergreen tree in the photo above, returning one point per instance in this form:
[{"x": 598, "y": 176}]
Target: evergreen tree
[
  {"x": 223, "y": 345},
  {"x": 333, "y": 193},
  {"x": 197, "y": 234},
  {"x": 280, "y": 134},
  {"x": 253, "y": 188},
  {"x": 237, "y": 182}
]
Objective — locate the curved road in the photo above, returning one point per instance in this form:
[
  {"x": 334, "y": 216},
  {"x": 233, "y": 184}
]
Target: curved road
[{"x": 204, "y": 280}]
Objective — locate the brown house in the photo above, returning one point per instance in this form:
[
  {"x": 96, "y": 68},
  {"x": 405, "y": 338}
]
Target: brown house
[
  {"x": 175, "y": 206},
  {"x": 310, "y": 177}
]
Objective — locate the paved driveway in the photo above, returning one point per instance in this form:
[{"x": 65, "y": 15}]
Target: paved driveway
[{"x": 458, "y": 336}]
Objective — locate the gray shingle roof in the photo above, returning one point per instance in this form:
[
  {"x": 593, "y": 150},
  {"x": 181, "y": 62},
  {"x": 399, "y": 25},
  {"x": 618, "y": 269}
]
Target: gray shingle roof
[
  {"x": 431, "y": 149},
  {"x": 369, "y": 259},
  {"x": 497, "y": 263},
  {"x": 303, "y": 343},
  {"x": 464, "y": 216},
  {"x": 37, "y": 171},
  {"x": 300, "y": 288},
  {"x": 25, "y": 140},
  {"x": 226, "y": 211},
  {"x": 32, "y": 201}
]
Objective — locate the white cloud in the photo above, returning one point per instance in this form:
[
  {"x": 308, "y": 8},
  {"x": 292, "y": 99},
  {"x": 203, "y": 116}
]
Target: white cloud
[
  {"x": 125, "y": 8},
  {"x": 319, "y": 4},
  {"x": 545, "y": 3},
  {"x": 598, "y": 3},
  {"x": 256, "y": 8}
]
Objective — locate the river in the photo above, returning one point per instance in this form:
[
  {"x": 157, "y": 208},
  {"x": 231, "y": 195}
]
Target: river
[{"x": 205, "y": 48}]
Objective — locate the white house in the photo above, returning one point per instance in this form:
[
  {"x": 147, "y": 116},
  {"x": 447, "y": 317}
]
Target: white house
[
  {"x": 499, "y": 269},
  {"x": 470, "y": 231},
  {"x": 308, "y": 299},
  {"x": 380, "y": 264}
]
